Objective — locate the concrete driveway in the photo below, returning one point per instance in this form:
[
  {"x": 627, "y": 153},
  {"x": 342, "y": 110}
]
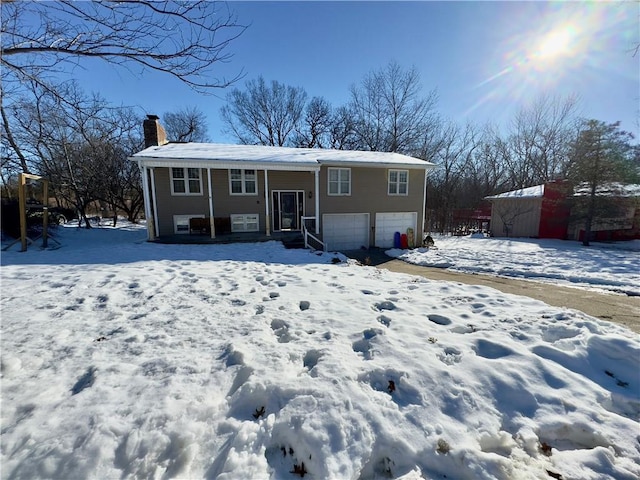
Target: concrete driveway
[{"x": 614, "y": 308}]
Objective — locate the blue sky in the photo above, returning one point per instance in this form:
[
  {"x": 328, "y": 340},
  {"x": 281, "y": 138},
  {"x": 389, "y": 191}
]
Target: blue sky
[{"x": 485, "y": 59}]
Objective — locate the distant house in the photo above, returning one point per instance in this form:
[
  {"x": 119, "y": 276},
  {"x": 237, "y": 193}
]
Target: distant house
[
  {"x": 342, "y": 199},
  {"x": 549, "y": 211}
]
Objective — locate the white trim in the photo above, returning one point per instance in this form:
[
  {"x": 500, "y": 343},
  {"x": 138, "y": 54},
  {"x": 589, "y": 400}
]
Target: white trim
[
  {"x": 243, "y": 181},
  {"x": 186, "y": 179},
  {"x": 339, "y": 194},
  {"x": 317, "y": 183},
  {"x": 267, "y": 221},
  {"x": 397, "y": 183},
  {"x": 210, "y": 192},
  {"x": 424, "y": 210},
  {"x": 154, "y": 200},
  {"x": 147, "y": 202}
]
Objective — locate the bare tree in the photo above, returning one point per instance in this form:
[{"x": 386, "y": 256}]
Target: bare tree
[
  {"x": 389, "y": 112},
  {"x": 456, "y": 152},
  {"x": 342, "y": 133},
  {"x": 187, "y": 124},
  {"x": 538, "y": 144},
  {"x": 82, "y": 149},
  {"x": 43, "y": 40},
  {"x": 183, "y": 39},
  {"x": 316, "y": 125},
  {"x": 264, "y": 114},
  {"x": 487, "y": 173}
]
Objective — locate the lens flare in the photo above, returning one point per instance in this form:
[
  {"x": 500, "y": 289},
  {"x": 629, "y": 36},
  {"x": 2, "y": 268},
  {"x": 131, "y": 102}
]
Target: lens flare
[
  {"x": 556, "y": 44},
  {"x": 559, "y": 48}
]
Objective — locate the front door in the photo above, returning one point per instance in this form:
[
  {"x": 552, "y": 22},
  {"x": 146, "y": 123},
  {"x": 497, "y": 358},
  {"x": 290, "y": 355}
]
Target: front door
[{"x": 288, "y": 208}]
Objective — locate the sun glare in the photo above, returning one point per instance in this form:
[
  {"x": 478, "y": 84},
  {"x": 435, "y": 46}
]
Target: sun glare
[
  {"x": 558, "y": 48},
  {"x": 555, "y": 44}
]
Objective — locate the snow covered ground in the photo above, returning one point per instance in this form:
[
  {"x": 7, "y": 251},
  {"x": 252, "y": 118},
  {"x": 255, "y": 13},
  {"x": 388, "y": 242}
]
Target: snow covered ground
[
  {"x": 609, "y": 267},
  {"x": 124, "y": 359}
]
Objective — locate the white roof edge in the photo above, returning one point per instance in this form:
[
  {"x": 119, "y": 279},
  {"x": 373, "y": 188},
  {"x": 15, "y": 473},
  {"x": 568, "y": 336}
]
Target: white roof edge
[
  {"x": 223, "y": 165},
  {"x": 423, "y": 166},
  {"x": 537, "y": 191}
]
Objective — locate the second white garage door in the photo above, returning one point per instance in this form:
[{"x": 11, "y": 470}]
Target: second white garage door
[
  {"x": 345, "y": 231},
  {"x": 387, "y": 224}
]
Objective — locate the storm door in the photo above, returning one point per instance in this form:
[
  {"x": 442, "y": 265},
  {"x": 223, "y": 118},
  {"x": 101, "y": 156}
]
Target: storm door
[{"x": 288, "y": 208}]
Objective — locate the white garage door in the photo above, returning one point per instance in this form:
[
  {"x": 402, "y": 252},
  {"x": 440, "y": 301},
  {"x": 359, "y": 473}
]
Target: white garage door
[
  {"x": 345, "y": 231},
  {"x": 387, "y": 224}
]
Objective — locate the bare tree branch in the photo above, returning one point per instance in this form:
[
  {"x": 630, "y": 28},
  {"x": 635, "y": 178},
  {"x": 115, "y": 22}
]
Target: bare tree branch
[{"x": 183, "y": 39}]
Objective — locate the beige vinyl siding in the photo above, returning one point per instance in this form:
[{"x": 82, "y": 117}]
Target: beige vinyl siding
[
  {"x": 170, "y": 205},
  {"x": 369, "y": 187},
  {"x": 224, "y": 204}
]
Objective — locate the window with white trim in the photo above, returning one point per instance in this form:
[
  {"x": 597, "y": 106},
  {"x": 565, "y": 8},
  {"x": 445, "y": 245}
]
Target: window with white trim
[
  {"x": 186, "y": 181},
  {"x": 339, "y": 181},
  {"x": 398, "y": 182},
  {"x": 243, "y": 182}
]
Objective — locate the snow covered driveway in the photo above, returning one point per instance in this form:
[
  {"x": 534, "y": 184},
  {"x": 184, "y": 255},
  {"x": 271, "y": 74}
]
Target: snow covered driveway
[{"x": 612, "y": 268}]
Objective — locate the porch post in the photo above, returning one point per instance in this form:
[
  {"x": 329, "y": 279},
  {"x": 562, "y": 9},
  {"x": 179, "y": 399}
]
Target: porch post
[
  {"x": 317, "y": 179},
  {"x": 155, "y": 202},
  {"x": 267, "y": 219},
  {"x": 424, "y": 210},
  {"x": 147, "y": 201},
  {"x": 211, "y": 219}
]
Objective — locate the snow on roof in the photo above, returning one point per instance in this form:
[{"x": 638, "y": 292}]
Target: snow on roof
[
  {"x": 258, "y": 154},
  {"x": 609, "y": 190},
  {"x": 530, "y": 192}
]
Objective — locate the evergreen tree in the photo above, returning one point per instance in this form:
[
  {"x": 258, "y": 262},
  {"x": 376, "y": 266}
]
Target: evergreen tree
[{"x": 602, "y": 160}]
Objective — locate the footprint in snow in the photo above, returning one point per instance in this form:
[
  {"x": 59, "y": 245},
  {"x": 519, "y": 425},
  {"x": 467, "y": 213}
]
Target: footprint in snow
[
  {"x": 439, "y": 319},
  {"x": 386, "y": 305},
  {"x": 85, "y": 381},
  {"x": 281, "y": 330}
]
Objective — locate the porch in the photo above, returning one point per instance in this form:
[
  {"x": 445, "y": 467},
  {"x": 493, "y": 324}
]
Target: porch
[{"x": 290, "y": 239}]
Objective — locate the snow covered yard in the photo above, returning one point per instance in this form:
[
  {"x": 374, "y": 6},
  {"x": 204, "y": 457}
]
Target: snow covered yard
[
  {"x": 609, "y": 267},
  {"x": 123, "y": 359}
]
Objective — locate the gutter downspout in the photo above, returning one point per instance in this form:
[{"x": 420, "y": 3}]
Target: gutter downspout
[
  {"x": 424, "y": 207},
  {"x": 317, "y": 186},
  {"x": 211, "y": 219},
  {"x": 267, "y": 220}
]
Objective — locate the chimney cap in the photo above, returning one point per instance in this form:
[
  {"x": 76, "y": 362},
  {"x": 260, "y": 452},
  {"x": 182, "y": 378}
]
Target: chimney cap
[{"x": 153, "y": 117}]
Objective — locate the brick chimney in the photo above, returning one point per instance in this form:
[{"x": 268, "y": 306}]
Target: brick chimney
[{"x": 154, "y": 134}]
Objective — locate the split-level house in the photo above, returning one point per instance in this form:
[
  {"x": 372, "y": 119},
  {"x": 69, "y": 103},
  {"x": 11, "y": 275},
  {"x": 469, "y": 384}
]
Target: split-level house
[{"x": 339, "y": 199}]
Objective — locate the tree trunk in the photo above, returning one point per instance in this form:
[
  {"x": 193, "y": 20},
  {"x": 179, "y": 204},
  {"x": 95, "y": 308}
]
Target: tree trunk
[{"x": 589, "y": 220}]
